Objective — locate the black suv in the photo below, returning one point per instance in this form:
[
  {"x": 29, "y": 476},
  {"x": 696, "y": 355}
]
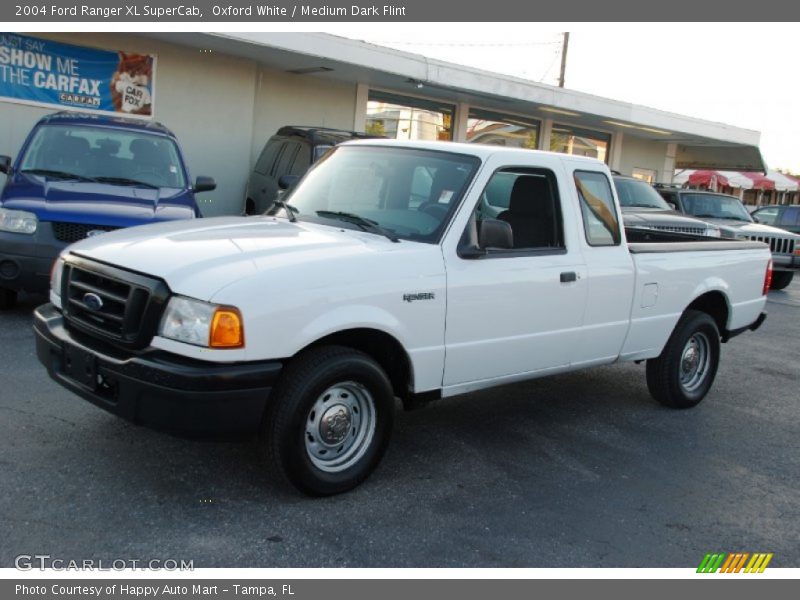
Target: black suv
[{"x": 286, "y": 157}]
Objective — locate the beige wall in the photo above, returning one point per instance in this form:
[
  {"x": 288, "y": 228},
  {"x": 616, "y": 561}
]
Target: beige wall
[
  {"x": 643, "y": 154},
  {"x": 285, "y": 99}
]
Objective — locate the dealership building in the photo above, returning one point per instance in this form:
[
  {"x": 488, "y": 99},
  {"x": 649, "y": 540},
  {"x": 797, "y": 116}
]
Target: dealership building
[{"x": 225, "y": 94}]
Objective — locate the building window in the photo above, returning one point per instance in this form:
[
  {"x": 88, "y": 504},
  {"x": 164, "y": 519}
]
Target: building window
[
  {"x": 406, "y": 118},
  {"x": 648, "y": 175},
  {"x": 485, "y": 127},
  {"x": 581, "y": 142}
]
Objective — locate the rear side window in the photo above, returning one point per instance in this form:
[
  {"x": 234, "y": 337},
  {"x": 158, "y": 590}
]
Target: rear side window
[
  {"x": 267, "y": 158},
  {"x": 597, "y": 208},
  {"x": 286, "y": 159}
]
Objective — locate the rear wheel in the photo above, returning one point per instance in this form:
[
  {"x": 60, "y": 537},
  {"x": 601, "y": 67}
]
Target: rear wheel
[
  {"x": 8, "y": 299},
  {"x": 682, "y": 375},
  {"x": 781, "y": 279},
  {"x": 329, "y": 420}
]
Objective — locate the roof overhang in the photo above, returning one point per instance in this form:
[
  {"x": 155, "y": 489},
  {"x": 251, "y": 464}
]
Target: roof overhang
[{"x": 700, "y": 143}]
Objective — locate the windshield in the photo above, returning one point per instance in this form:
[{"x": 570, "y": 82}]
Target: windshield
[
  {"x": 407, "y": 192},
  {"x": 632, "y": 192},
  {"x": 711, "y": 206},
  {"x": 104, "y": 154}
]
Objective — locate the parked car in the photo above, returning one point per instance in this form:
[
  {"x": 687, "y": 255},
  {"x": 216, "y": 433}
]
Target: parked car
[
  {"x": 285, "y": 158},
  {"x": 735, "y": 222},
  {"x": 643, "y": 207},
  {"x": 307, "y": 325},
  {"x": 80, "y": 175},
  {"x": 780, "y": 215}
]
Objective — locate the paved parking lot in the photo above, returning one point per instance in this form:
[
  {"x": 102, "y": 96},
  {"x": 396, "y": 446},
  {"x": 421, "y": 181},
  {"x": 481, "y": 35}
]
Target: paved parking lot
[{"x": 575, "y": 470}]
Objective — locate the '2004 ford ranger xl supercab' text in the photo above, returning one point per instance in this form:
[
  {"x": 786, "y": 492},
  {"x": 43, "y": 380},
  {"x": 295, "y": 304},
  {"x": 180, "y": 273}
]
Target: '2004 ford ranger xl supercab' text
[{"x": 385, "y": 273}]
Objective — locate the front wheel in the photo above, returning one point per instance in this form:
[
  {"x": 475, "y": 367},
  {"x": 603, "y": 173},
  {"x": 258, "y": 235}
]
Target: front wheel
[
  {"x": 781, "y": 279},
  {"x": 329, "y": 420},
  {"x": 682, "y": 375}
]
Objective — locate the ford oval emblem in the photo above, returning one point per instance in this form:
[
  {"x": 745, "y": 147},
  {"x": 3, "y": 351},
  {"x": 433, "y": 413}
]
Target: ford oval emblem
[{"x": 92, "y": 301}]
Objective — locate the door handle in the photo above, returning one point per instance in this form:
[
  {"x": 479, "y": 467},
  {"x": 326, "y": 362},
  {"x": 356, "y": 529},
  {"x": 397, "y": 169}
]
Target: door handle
[{"x": 569, "y": 277}]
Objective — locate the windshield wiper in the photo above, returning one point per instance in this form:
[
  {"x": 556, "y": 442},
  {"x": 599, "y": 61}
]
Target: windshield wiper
[
  {"x": 287, "y": 208},
  {"x": 58, "y": 174},
  {"x": 126, "y": 181},
  {"x": 365, "y": 224},
  {"x": 641, "y": 206},
  {"x": 721, "y": 217}
]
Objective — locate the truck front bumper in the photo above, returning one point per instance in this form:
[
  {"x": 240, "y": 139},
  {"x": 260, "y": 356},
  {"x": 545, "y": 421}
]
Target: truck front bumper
[
  {"x": 786, "y": 262},
  {"x": 156, "y": 389},
  {"x": 26, "y": 260}
]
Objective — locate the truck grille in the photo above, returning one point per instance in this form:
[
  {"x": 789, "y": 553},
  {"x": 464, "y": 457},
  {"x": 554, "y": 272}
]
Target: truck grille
[
  {"x": 111, "y": 303},
  {"x": 776, "y": 245},
  {"x": 75, "y": 232},
  {"x": 680, "y": 229}
]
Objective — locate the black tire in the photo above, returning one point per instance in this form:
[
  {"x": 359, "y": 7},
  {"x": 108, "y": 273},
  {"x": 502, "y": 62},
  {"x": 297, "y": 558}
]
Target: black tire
[
  {"x": 670, "y": 378},
  {"x": 781, "y": 279},
  {"x": 8, "y": 299},
  {"x": 294, "y": 427}
]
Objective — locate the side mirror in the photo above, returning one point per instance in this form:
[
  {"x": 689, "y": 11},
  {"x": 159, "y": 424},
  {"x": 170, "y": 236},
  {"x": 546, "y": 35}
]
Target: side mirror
[
  {"x": 494, "y": 233},
  {"x": 5, "y": 164},
  {"x": 204, "y": 184},
  {"x": 755, "y": 219},
  {"x": 673, "y": 206},
  {"x": 287, "y": 181}
]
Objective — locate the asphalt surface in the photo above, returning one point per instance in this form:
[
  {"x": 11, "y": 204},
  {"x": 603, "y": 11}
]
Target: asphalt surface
[{"x": 575, "y": 470}]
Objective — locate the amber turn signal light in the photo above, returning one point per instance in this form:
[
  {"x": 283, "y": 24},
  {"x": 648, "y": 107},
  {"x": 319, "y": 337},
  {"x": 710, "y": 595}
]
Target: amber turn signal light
[{"x": 227, "y": 330}]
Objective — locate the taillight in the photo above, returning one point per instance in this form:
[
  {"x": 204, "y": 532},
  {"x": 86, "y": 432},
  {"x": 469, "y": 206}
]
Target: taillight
[{"x": 767, "y": 278}]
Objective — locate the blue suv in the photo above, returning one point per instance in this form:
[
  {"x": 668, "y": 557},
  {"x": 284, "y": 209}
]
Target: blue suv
[{"x": 80, "y": 175}]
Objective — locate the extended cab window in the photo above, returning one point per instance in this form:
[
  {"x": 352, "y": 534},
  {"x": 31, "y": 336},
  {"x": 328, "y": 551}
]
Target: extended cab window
[
  {"x": 527, "y": 200},
  {"x": 597, "y": 207}
]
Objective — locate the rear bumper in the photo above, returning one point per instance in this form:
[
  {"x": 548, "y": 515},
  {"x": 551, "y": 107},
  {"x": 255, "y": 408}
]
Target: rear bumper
[{"x": 156, "y": 389}]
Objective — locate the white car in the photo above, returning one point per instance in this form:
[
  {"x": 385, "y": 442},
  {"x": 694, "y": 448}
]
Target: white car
[{"x": 381, "y": 276}]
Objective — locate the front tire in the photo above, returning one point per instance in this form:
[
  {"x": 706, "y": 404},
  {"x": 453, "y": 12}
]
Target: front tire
[
  {"x": 329, "y": 421},
  {"x": 682, "y": 375},
  {"x": 781, "y": 279},
  {"x": 8, "y": 299}
]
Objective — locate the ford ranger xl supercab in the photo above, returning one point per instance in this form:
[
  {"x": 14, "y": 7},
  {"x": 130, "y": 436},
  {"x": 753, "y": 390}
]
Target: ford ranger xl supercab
[{"x": 381, "y": 275}]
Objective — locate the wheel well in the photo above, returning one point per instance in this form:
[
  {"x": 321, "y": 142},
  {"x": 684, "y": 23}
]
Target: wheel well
[
  {"x": 715, "y": 305},
  {"x": 382, "y": 347}
]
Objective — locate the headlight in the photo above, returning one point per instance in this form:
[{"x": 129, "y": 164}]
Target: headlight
[
  {"x": 202, "y": 323},
  {"x": 18, "y": 221},
  {"x": 713, "y": 231},
  {"x": 55, "y": 276}
]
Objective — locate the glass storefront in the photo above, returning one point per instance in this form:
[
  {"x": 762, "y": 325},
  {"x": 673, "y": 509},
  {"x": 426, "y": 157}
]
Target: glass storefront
[
  {"x": 406, "y": 118},
  {"x": 581, "y": 142},
  {"x": 486, "y": 127}
]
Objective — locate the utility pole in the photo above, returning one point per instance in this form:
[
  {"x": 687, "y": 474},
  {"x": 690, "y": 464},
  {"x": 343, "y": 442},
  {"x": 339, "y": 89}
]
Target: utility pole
[{"x": 563, "y": 59}]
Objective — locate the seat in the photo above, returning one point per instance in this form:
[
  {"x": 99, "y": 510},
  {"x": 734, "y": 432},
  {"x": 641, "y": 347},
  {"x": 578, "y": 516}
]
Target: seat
[
  {"x": 530, "y": 213},
  {"x": 446, "y": 179},
  {"x": 68, "y": 153}
]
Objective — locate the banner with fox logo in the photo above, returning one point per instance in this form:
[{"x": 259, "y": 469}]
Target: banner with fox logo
[{"x": 47, "y": 73}]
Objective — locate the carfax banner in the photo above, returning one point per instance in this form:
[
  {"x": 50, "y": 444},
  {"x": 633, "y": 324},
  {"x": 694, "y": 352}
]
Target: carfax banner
[{"x": 42, "y": 72}]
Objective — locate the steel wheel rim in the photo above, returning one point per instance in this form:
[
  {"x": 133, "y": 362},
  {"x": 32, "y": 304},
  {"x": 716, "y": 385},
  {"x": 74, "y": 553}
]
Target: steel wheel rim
[
  {"x": 695, "y": 362},
  {"x": 340, "y": 426}
]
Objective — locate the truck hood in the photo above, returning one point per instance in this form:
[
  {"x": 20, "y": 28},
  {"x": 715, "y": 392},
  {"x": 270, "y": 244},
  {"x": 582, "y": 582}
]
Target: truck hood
[
  {"x": 201, "y": 257},
  {"x": 734, "y": 228},
  {"x": 634, "y": 216},
  {"x": 96, "y": 203}
]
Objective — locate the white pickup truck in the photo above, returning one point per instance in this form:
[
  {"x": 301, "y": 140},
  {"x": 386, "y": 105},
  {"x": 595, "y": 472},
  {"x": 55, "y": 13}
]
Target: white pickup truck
[{"x": 405, "y": 270}]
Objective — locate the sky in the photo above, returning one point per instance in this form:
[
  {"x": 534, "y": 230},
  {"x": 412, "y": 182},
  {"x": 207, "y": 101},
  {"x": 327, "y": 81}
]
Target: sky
[{"x": 741, "y": 74}]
